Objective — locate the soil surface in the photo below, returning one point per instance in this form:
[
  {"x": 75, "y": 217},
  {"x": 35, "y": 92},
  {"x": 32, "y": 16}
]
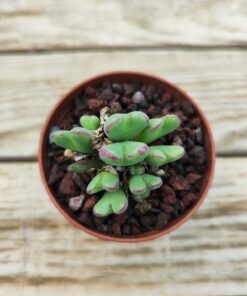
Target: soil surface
[{"x": 183, "y": 179}]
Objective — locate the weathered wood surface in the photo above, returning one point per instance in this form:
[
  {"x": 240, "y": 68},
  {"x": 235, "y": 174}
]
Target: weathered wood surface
[
  {"x": 31, "y": 84},
  {"x": 42, "y": 254},
  {"x": 28, "y": 24}
]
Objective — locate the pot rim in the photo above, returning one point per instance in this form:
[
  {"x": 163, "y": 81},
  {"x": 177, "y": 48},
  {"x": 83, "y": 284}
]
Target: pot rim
[{"x": 148, "y": 235}]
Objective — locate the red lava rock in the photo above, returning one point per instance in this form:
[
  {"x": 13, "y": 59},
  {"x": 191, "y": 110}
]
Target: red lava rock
[
  {"x": 106, "y": 94},
  {"x": 166, "y": 208},
  {"x": 120, "y": 219},
  {"x": 126, "y": 229},
  {"x": 150, "y": 92},
  {"x": 60, "y": 159},
  {"x": 116, "y": 229},
  {"x": 128, "y": 89},
  {"x": 90, "y": 203},
  {"x": 86, "y": 178},
  {"x": 153, "y": 111},
  {"x": 67, "y": 185},
  {"x": 75, "y": 203},
  {"x": 179, "y": 183},
  {"x": 181, "y": 116},
  {"x": 164, "y": 111},
  {"x": 132, "y": 107},
  {"x": 90, "y": 92},
  {"x": 192, "y": 178},
  {"x": 147, "y": 221},
  {"x": 162, "y": 220},
  {"x": 134, "y": 221},
  {"x": 154, "y": 202},
  {"x": 86, "y": 219},
  {"x": 187, "y": 108},
  {"x": 135, "y": 229},
  {"x": 169, "y": 200},
  {"x": 103, "y": 228},
  {"x": 198, "y": 155},
  {"x": 168, "y": 194},
  {"x": 67, "y": 124},
  {"x": 167, "y": 97},
  {"x": 95, "y": 104},
  {"x": 195, "y": 121},
  {"x": 98, "y": 221},
  {"x": 115, "y": 107},
  {"x": 55, "y": 174},
  {"x": 79, "y": 181},
  {"x": 126, "y": 101},
  {"x": 188, "y": 198}
]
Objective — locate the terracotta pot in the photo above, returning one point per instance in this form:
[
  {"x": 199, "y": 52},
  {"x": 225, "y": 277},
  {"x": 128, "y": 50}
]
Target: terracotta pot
[{"x": 64, "y": 106}]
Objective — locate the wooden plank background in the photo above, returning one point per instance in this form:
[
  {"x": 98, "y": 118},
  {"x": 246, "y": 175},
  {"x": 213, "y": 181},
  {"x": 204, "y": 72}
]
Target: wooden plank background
[
  {"x": 28, "y": 24},
  {"x": 48, "y": 46},
  {"x": 216, "y": 79},
  {"x": 40, "y": 251}
]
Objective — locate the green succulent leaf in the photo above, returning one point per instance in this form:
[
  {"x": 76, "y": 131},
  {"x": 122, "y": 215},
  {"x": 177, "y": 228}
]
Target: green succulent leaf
[
  {"x": 103, "y": 181},
  {"x": 90, "y": 122},
  {"x": 157, "y": 128},
  {"x": 145, "y": 182},
  {"x": 123, "y": 153},
  {"x": 84, "y": 165},
  {"x": 137, "y": 169},
  {"x": 122, "y": 127},
  {"x": 111, "y": 203},
  {"x": 141, "y": 196},
  {"x": 78, "y": 139},
  {"x": 159, "y": 155}
]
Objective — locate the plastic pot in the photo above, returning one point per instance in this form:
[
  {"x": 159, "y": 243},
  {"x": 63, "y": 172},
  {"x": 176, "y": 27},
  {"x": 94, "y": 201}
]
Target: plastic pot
[{"x": 64, "y": 106}]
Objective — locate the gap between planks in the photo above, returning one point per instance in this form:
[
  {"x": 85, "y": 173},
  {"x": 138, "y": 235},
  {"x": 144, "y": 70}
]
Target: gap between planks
[{"x": 103, "y": 49}]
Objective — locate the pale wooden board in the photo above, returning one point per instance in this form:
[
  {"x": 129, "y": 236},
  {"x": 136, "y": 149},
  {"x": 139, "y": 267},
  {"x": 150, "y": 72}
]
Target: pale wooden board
[
  {"x": 29, "y": 24},
  {"x": 42, "y": 254},
  {"x": 31, "y": 84}
]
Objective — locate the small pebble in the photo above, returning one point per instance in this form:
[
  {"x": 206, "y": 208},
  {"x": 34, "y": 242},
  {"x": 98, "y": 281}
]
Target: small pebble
[
  {"x": 179, "y": 183},
  {"x": 90, "y": 92},
  {"x": 95, "y": 104},
  {"x": 139, "y": 98},
  {"x": 117, "y": 88},
  {"x": 75, "y": 203},
  {"x": 68, "y": 186}
]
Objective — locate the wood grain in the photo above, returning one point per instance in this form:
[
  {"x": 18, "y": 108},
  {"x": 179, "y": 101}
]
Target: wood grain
[
  {"x": 32, "y": 25},
  {"x": 31, "y": 84},
  {"x": 42, "y": 254}
]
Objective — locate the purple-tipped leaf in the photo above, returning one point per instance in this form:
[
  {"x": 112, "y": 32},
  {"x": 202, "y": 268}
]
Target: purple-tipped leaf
[
  {"x": 124, "y": 153},
  {"x": 122, "y": 127},
  {"x": 111, "y": 203}
]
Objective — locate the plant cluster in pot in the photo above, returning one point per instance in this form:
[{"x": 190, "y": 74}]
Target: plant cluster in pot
[{"x": 127, "y": 156}]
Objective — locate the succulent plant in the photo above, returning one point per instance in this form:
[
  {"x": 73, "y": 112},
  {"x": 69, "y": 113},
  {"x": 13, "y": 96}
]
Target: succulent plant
[{"x": 114, "y": 148}]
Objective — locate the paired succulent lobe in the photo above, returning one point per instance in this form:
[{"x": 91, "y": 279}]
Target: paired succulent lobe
[
  {"x": 141, "y": 196},
  {"x": 123, "y": 153},
  {"x": 140, "y": 184},
  {"x": 121, "y": 127},
  {"x": 111, "y": 203},
  {"x": 103, "y": 181},
  {"x": 78, "y": 139},
  {"x": 159, "y": 155},
  {"x": 157, "y": 128},
  {"x": 90, "y": 122},
  {"x": 84, "y": 165}
]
